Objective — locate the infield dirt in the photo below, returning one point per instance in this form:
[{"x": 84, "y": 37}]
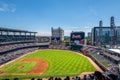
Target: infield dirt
[{"x": 39, "y": 68}]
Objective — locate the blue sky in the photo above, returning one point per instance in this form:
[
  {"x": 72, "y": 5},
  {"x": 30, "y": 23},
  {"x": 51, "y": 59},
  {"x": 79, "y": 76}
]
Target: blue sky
[{"x": 71, "y": 15}]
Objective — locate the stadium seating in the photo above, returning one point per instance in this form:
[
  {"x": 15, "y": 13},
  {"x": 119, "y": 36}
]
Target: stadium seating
[
  {"x": 62, "y": 47},
  {"x": 8, "y": 47},
  {"x": 14, "y": 54},
  {"x": 95, "y": 76},
  {"x": 105, "y": 59},
  {"x": 12, "y": 47}
]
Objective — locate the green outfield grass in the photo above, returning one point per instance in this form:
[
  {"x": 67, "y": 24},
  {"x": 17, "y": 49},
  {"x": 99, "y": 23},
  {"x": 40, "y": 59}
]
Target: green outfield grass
[{"x": 61, "y": 63}]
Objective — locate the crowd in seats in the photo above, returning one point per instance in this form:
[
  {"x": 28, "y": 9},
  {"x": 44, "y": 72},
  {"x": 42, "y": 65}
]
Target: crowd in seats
[
  {"x": 95, "y": 52},
  {"x": 100, "y": 55},
  {"x": 15, "y": 54},
  {"x": 106, "y": 61},
  {"x": 103, "y": 58},
  {"x": 13, "y": 38},
  {"x": 94, "y": 76},
  {"x": 8, "y": 47},
  {"x": 87, "y": 49},
  {"x": 100, "y": 76},
  {"x": 12, "y": 50},
  {"x": 100, "y": 58},
  {"x": 59, "y": 47}
]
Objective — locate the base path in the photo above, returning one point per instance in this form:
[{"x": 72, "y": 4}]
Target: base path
[{"x": 39, "y": 68}]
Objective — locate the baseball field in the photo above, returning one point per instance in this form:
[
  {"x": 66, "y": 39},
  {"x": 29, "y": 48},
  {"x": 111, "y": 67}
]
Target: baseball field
[{"x": 47, "y": 63}]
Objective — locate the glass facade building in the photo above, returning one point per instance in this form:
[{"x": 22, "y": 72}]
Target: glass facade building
[{"x": 106, "y": 35}]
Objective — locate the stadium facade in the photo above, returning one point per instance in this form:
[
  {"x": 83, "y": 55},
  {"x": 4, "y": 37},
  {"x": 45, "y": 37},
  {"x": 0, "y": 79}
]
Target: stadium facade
[{"x": 10, "y": 35}]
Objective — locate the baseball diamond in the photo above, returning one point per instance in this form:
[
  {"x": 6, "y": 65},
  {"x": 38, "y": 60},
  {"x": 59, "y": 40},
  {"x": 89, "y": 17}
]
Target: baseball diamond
[{"x": 46, "y": 63}]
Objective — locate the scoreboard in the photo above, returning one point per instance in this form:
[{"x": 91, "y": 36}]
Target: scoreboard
[{"x": 77, "y": 37}]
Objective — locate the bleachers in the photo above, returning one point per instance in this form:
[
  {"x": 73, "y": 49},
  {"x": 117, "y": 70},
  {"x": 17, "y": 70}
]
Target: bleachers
[
  {"x": 8, "y": 47},
  {"x": 62, "y": 47},
  {"x": 14, "y": 46},
  {"x": 94, "y": 76},
  {"x": 90, "y": 50},
  {"x": 14, "y": 54},
  {"x": 103, "y": 58}
]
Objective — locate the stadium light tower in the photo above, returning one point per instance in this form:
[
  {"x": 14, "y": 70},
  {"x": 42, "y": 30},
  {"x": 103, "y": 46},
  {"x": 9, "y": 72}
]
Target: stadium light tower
[
  {"x": 112, "y": 23},
  {"x": 113, "y": 27},
  {"x": 100, "y": 23},
  {"x": 100, "y": 31}
]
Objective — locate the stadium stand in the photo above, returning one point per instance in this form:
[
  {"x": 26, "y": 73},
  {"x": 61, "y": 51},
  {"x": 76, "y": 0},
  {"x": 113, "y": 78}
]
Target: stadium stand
[
  {"x": 95, "y": 76},
  {"x": 63, "y": 47},
  {"x": 14, "y": 35},
  {"x": 14, "y": 54},
  {"x": 107, "y": 60},
  {"x": 15, "y": 43}
]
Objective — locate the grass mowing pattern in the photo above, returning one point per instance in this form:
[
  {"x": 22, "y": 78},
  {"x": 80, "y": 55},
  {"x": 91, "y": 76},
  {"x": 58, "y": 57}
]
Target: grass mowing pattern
[
  {"x": 16, "y": 68},
  {"x": 61, "y": 63}
]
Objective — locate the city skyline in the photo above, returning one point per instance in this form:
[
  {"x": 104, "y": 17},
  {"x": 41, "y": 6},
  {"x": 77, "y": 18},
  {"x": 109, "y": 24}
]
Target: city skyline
[{"x": 70, "y": 15}]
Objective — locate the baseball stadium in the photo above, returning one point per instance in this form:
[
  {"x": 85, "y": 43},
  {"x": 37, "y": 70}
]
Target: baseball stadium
[{"x": 25, "y": 56}]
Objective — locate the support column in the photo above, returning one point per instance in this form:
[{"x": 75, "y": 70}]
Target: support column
[{"x": 1, "y": 33}]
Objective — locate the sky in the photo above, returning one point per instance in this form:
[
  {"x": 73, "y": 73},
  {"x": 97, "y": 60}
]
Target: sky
[{"x": 70, "y": 15}]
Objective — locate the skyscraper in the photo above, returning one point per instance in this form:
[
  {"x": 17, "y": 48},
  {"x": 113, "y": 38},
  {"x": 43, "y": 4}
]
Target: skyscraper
[
  {"x": 106, "y": 35},
  {"x": 57, "y": 35}
]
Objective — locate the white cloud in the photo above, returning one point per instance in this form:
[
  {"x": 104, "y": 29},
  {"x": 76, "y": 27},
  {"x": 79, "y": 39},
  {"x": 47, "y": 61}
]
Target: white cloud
[
  {"x": 1, "y": 9},
  {"x": 13, "y": 10},
  {"x": 5, "y": 7}
]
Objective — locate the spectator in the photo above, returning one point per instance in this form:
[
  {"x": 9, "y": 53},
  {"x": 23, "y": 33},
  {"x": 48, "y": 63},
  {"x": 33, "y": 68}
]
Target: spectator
[
  {"x": 84, "y": 78},
  {"x": 59, "y": 79},
  {"x": 98, "y": 75},
  {"x": 51, "y": 78},
  {"x": 67, "y": 78},
  {"x": 56, "y": 78},
  {"x": 39, "y": 79},
  {"x": 16, "y": 79},
  {"x": 112, "y": 77},
  {"x": 33, "y": 79}
]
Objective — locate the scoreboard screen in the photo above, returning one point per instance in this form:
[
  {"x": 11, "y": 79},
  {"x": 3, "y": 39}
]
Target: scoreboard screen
[{"x": 77, "y": 37}]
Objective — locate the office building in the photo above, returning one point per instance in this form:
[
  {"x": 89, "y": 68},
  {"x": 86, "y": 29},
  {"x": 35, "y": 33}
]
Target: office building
[
  {"x": 57, "y": 35},
  {"x": 106, "y": 35}
]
